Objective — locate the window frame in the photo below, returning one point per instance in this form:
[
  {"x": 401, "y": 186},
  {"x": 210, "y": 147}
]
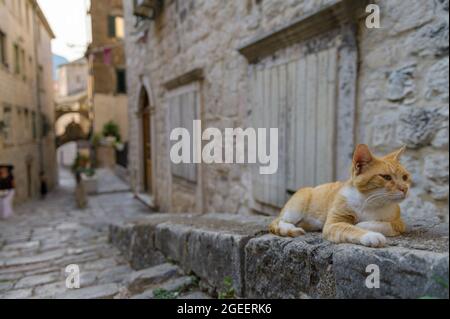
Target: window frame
[
  {"x": 119, "y": 88},
  {"x": 16, "y": 51},
  {"x": 8, "y": 122},
  {"x": 3, "y": 49},
  {"x": 112, "y": 27}
]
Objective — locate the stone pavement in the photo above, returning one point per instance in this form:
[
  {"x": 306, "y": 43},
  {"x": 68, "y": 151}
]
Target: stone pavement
[
  {"x": 44, "y": 237},
  {"x": 108, "y": 182}
]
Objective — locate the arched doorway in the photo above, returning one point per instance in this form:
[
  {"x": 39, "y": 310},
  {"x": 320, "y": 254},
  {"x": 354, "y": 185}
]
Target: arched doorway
[{"x": 146, "y": 146}]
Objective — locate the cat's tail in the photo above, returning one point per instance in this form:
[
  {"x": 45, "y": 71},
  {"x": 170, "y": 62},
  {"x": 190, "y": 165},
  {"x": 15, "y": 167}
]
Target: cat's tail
[{"x": 281, "y": 228}]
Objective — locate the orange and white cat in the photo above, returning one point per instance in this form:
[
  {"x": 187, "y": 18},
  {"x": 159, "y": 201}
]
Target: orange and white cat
[{"x": 362, "y": 210}]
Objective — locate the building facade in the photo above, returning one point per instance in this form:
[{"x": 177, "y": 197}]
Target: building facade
[
  {"x": 72, "y": 107},
  {"x": 107, "y": 84},
  {"x": 27, "y": 139},
  {"x": 72, "y": 78},
  {"x": 313, "y": 69}
]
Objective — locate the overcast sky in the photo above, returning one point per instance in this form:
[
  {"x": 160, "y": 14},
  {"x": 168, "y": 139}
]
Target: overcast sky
[{"x": 70, "y": 25}]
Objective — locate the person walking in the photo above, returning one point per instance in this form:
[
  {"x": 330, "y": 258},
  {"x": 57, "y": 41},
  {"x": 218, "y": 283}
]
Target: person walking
[
  {"x": 6, "y": 192},
  {"x": 44, "y": 187},
  {"x": 80, "y": 192}
]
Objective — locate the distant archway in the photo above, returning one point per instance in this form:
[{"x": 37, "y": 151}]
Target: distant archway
[
  {"x": 72, "y": 117},
  {"x": 73, "y": 133}
]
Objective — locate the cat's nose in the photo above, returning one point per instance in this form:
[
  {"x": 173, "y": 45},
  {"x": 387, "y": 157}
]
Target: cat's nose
[{"x": 403, "y": 189}]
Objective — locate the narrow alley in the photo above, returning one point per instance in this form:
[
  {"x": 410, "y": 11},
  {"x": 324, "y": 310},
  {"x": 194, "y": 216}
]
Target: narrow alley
[{"x": 44, "y": 237}]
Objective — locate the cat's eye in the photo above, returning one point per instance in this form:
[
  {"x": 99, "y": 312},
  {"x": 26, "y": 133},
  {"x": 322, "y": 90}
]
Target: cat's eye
[
  {"x": 387, "y": 177},
  {"x": 405, "y": 177}
]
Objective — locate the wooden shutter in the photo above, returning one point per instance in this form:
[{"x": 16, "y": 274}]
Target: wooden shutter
[
  {"x": 299, "y": 99},
  {"x": 312, "y": 121},
  {"x": 184, "y": 109},
  {"x": 270, "y": 112},
  {"x": 111, "y": 26}
]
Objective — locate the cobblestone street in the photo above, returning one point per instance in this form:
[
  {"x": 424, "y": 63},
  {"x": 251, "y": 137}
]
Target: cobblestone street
[{"x": 44, "y": 237}]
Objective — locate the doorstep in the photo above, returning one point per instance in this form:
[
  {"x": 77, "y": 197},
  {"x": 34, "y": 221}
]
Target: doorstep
[{"x": 146, "y": 199}]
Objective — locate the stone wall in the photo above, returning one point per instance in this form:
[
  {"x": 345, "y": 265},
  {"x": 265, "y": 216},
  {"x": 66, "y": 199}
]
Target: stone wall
[
  {"x": 403, "y": 96},
  {"x": 111, "y": 108},
  {"x": 402, "y": 91}
]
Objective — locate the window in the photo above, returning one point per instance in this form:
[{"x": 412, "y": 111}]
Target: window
[
  {"x": 7, "y": 122},
  {"x": 184, "y": 105},
  {"x": 27, "y": 124},
  {"x": 116, "y": 27},
  {"x": 16, "y": 59},
  {"x": 41, "y": 78},
  {"x": 23, "y": 64},
  {"x": 34, "y": 124},
  {"x": 121, "y": 81},
  {"x": 3, "y": 49}
]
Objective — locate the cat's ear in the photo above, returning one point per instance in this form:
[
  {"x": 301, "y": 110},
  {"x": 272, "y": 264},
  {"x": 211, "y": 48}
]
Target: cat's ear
[
  {"x": 397, "y": 154},
  {"x": 362, "y": 158}
]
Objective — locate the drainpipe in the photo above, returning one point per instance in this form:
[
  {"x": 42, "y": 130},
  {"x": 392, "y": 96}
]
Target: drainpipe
[{"x": 38, "y": 86}]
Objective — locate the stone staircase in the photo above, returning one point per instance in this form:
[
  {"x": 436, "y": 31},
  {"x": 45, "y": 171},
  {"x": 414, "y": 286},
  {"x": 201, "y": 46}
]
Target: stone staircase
[
  {"x": 164, "y": 281},
  {"x": 234, "y": 256}
]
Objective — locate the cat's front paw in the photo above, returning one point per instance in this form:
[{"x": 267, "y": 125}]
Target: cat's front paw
[{"x": 373, "y": 239}]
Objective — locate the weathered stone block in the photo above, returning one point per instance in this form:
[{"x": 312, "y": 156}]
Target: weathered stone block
[
  {"x": 437, "y": 80},
  {"x": 401, "y": 84},
  {"x": 171, "y": 240},
  {"x": 284, "y": 268},
  {"x": 436, "y": 172},
  {"x": 141, "y": 280},
  {"x": 142, "y": 252},
  {"x": 215, "y": 256},
  {"x": 210, "y": 246},
  {"x": 418, "y": 126},
  {"x": 432, "y": 39},
  {"x": 404, "y": 273},
  {"x": 136, "y": 242},
  {"x": 120, "y": 237}
]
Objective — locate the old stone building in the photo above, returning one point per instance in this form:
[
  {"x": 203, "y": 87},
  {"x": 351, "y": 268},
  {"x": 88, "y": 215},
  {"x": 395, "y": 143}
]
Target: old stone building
[
  {"x": 107, "y": 84},
  {"x": 72, "y": 96},
  {"x": 26, "y": 95},
  {"x": 73, "y": 112},
  {"x": 311, "y": 68}
]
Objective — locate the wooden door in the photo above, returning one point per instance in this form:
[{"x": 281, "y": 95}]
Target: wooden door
[{"x": 147, "y": 150}]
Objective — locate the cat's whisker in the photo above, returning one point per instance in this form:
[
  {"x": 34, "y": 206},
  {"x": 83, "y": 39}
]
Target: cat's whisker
[{"x": 373, "y": 197}]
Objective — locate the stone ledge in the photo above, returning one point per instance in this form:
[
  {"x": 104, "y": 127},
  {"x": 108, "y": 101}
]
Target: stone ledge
[
  {"x": 309, "y": 267},
  {"x": 214, "y": 247}
]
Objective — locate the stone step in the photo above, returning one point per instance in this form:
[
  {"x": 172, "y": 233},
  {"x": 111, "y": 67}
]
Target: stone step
[
  {"x": 140, "y": 281},
  {"x": 170, "y": 289},
  {"x": 107, "y": 291},
  {"x": 194, "y": 295},
  {"x": 235, "y": 256}
]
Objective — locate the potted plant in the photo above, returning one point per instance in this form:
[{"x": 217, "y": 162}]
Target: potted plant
[{"x": 111, "y": 132}]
